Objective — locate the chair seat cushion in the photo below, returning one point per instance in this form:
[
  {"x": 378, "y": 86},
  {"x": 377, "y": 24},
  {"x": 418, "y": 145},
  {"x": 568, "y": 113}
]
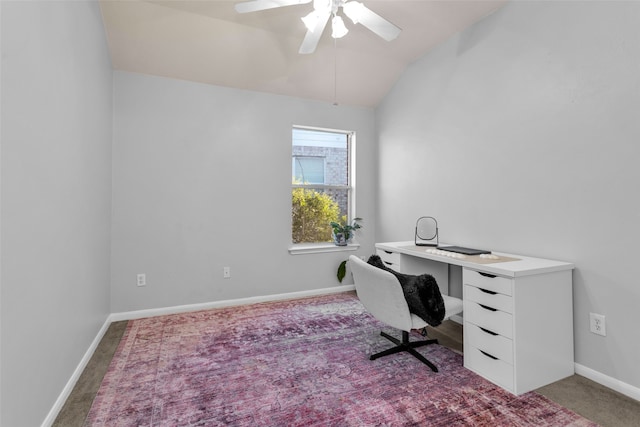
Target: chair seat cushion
[
  {"x": 452, "y": 306},
  {"x": 421, "y": 292}
]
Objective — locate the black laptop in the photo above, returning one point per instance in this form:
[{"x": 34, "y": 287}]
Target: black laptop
[{"x": 462, "y": 250}]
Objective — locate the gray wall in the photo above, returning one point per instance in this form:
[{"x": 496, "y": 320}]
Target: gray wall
[
  {"x": 56, "y": 191},
  {"x": 190, "y": 197},
  {"x": 521, "y": 135},
  {"x": 539, "y": 100}
]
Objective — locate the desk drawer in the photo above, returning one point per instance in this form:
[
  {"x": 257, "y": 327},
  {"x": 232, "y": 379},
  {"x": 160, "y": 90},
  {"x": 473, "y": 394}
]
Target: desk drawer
[
  {"x": 489, "y": 298},
  {"x": 501, "y": 285},
  {"x": 493, "y": 369},
  {"x": 390, "y": 259},
  {"x": 483, "y": 339},
  {"x": 489, "y": 318}
]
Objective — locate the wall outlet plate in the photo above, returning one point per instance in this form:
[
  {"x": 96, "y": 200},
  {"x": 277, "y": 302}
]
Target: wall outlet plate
[
  {"x": 142, "y": 279},
  {"x": 597, "y": 324}
]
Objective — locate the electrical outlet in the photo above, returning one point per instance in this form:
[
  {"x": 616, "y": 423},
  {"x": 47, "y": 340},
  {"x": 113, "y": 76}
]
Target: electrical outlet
[
  {"x": 226, "y": 272},
  {"x": 597, "y": 324},
  {"x": 142, "y": 279}
]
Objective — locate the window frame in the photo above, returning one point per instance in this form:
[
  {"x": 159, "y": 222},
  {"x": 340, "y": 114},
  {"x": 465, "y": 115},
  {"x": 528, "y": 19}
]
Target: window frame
[{"x": 319, "y": 247}]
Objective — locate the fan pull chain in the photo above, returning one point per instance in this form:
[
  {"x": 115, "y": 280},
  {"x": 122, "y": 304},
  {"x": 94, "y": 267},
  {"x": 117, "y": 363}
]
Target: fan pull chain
[{"x": 335, "y": 72}]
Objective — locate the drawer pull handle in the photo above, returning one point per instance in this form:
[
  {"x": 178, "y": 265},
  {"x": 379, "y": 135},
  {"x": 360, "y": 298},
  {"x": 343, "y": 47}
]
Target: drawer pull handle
[
  {"x": 491, "y": 276},
  {"x": 486, "y": 291},
  {"x": 488, "y": 355},
  {"x": 388, "y": 263},
  {"x": 389, "y": 252},
  {"x": 486, "y": 307},
  {"x": 488, "y": 331}
]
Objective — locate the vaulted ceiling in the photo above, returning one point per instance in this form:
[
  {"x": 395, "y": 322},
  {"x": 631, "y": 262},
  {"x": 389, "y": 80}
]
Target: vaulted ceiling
[{"x": 207, "y": 41}]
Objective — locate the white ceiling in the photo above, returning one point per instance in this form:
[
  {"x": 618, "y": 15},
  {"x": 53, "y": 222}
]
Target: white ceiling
[{"x": 207, "y": 41}]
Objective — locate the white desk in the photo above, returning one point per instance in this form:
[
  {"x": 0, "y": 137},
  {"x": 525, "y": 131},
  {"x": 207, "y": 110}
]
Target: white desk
[{"x": 518, "y": 312}]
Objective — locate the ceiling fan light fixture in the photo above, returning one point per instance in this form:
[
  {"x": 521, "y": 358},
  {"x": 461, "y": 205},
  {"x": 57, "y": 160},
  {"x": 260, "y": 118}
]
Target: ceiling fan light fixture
[
  {"x": 354, "y": 10},
  {"x": 338, "y": 28},
  {"x": 322, "y": 5},
  {"x": 318, "y": 19}
]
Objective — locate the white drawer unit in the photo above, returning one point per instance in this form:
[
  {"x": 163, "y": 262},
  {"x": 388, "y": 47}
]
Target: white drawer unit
[
  {"x": 390, "y": 259},
  {"x": 488, "y": 326},
  {"x": 503, "y": 340}
]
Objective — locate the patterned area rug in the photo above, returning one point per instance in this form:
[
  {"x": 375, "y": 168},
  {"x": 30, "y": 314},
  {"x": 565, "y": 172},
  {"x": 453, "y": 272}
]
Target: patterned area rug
[{"x": 297, "y": 363}]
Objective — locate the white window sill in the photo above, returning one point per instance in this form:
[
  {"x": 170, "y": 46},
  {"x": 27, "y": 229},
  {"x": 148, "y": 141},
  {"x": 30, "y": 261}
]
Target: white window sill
[{"x": 315, "y": 248}]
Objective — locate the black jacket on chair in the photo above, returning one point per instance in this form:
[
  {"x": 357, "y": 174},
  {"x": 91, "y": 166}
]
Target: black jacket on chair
[{"x": 421, "y": 292}]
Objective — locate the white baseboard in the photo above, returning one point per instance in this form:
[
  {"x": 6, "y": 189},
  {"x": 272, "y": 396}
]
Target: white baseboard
[
  {"x": 68, "y": 388},
  {"x": 609, "y": 382},
  {"x": 139, "y": 314}
]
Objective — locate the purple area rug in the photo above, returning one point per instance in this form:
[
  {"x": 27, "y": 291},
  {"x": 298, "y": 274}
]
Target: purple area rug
[{"x": 297, "y": 363}]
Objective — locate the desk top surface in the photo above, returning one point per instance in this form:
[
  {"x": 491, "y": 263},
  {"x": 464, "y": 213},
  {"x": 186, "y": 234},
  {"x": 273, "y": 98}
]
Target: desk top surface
[{"x": 509, "y": 265}]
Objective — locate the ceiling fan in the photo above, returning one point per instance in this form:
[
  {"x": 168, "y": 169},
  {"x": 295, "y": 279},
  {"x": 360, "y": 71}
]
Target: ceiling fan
[{"x": 317, "y": 20}]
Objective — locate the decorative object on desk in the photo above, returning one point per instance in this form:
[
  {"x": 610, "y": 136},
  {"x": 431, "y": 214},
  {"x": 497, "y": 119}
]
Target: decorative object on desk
[
  {"x": 441, "y": 252},
  {"x": 343, "y": 231},
  {"x": 426, "y": 231}
]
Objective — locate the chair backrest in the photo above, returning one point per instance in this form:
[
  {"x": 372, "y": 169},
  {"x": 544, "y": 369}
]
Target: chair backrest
[{"x": 381, "y": 294}]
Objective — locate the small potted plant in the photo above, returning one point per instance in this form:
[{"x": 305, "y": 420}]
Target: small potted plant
[{"x": 343, "y": 231}]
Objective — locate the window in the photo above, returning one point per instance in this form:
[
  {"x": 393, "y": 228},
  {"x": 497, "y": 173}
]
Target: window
[
  {"x": 308, "y": 170},
  {"x": 322, "y": 184}
]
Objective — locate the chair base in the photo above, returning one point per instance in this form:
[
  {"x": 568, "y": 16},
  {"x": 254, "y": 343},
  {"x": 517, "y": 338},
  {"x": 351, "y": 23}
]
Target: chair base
[{"x": 407, "y": 346}]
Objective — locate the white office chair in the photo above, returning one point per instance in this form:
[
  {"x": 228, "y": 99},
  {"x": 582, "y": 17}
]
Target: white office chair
[{"x": 381, "y": 294}]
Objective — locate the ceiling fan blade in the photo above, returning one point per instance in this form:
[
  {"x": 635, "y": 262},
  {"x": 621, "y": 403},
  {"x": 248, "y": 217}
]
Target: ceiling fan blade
[
  {"x": 257, "y": 5},
  {"x": 378, "y": 24},
  {"x": 312, "y": 37}
]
